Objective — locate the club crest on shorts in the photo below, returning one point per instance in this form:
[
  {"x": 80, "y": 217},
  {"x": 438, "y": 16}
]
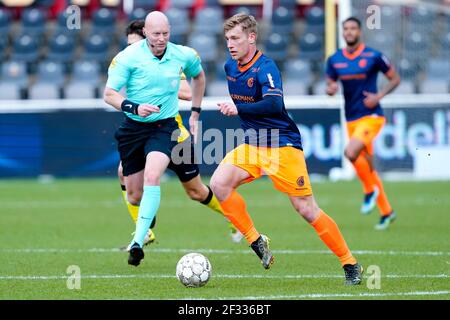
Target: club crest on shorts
[{"x": 301, "y": 181}]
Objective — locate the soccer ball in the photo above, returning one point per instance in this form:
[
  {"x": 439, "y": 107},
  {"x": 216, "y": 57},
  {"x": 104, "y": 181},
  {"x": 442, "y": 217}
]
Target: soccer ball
[{"x": 193, "y": 270}]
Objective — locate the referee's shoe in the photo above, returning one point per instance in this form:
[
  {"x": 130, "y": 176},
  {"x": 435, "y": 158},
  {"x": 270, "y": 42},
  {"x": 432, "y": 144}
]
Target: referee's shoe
[{"x": 136, "y": 254}]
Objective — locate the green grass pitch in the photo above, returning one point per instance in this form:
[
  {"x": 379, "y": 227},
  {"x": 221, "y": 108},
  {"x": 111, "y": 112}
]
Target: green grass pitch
[{"x": 45, "y": 228}]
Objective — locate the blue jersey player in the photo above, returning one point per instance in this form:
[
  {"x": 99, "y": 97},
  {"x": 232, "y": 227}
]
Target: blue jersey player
[
  {"x": 272, "y": 146},
  {"x": 357, "y": 67}
]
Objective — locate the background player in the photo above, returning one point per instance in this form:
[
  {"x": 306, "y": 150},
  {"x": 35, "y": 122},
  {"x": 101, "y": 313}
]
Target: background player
[
  {"x": 272, "y": 146},
  {"x": 357, "y": 67},
  {"x": 188, "y": 174}
]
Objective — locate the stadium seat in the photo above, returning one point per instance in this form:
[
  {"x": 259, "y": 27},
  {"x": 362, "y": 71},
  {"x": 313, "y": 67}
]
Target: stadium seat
[
  {"x": 382, "y": 41},
  {"x": 416, "y": 47},
  {"x": 407, "y": 68},
  {"x": 209, "y": 20},
  {"x": 62, "y": 22},
  {"x": 86, "y": 71},
  {"x": 438, "y": 76},
  {"x": 34, "y": 22},
  {"x": 315, "y": 20},
  {"x": 283, "y": 20},
  {"x": 319, "y": 87},
  {"x": 179, "y": 24},
  {"x": 123, "y": 43},
  {"x": 445, "y": 46},
  {"x": 9, "y": 91},
  {"x": 5, "y": 22},
  {"x": 96, "y": 48},
  {"x": 138, "y": 14},
  {"x": 220, "y": 71},
  {"x": 212, "y": 3},
  {"x": 49, "y": 81},
  {"x": 44, "y": 90},
  {"x": 104, "y": 21},
  {"x": 390, "y": 16},
  {"x": 84, "y": 82},
  {"x": 50, "y": 72},
  {"x": 14, "y": 72},
  {"x": 245, "y": 9},
  {"x": 44, "y": 3},
  {"x": 405, "y": 87},
  {"x": 205, "y": 45},
  {"x": 311, "y": 47},
  {"x": 276, "y": 47},
  {"x": 61, "y": 48},
  {"x": 3, "y": 46},
  {"x": 146, "y": 4},
  {"x": 80, "y": 90},
  {"x": 297, "y": 77},
  {"x": 287, "y": 3},
  {"x": 421, "y": 16},
  {"x": 183, "y": 4},
  {"x": 25, "y": 48},
  {"x": 217, "y": 88},
  {"x": 13, "y": 80}
]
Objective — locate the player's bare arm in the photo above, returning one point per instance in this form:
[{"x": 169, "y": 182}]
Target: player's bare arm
[
  {"x": 185, "y": 92},
  {"x": 372, "y": 99},
  {"x": 332, "y": 87}
]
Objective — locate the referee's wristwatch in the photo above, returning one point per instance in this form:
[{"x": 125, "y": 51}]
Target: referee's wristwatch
[{"x": 196, "y": 109}]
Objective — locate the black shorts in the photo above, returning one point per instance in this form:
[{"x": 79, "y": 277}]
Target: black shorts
[
  {"x": 183, "y": 162},
  {"x": 137, "y": 139}
]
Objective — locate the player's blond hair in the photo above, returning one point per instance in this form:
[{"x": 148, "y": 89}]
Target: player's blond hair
[{"x": 246, "y": 21}]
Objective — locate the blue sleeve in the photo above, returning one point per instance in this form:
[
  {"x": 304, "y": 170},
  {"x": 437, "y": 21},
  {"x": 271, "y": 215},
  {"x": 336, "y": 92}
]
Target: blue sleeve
[
  {"x": 269, "y": 105},
  {"x": 118, "y": 73},
  {"x": 382, "y": 63},
  {"x": 193, "y": 63},
  {"x": 269, "y": 78},
  {"x": 330, "y": 70}
]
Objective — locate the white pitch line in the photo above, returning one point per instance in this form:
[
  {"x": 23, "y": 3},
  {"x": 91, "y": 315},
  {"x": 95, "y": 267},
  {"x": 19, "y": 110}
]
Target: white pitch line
[
  {"x": 225, "y": 251},
  {"x": 222, "y": 276},
  {"x": 338, "y": 295}
]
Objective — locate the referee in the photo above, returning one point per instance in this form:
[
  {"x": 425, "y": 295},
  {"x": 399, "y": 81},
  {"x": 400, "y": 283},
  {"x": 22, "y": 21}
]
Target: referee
[{"x": 150, "y": 69}]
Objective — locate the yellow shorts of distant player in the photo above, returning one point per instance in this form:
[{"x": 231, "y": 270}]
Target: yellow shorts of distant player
[
  {"x": 366, "y": 129},
  {"x": 285, "y": 166}
]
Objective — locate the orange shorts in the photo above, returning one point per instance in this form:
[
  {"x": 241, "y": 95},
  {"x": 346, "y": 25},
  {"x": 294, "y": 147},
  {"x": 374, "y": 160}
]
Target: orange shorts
[
  {"x": 285, "y": 166},
  {"x": 366, "y": 129}
]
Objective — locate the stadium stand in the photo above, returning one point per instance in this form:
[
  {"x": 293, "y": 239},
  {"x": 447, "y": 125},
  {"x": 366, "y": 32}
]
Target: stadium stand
[
  {"x": 33, "y": 33},
  {"x": 283, "y": 20}
]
